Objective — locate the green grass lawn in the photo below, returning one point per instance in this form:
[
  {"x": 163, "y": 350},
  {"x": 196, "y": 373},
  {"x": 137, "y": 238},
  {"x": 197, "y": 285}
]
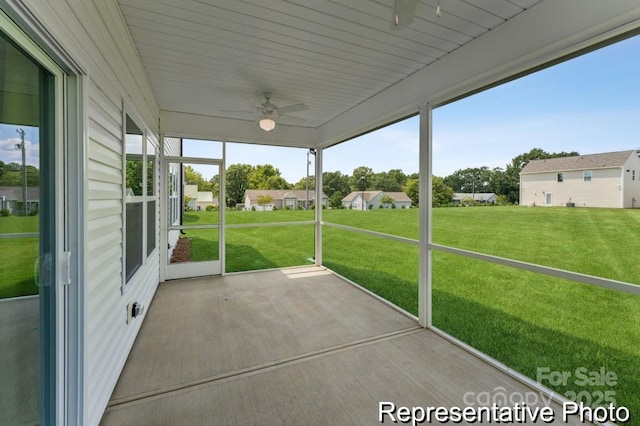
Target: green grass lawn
[
  {"x": 18, "y": 224},
  {"x": 19, "y": 257},
  {"x": 523, "y": 319}
]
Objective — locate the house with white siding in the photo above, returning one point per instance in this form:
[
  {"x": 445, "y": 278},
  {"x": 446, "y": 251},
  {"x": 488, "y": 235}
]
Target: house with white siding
[
  {"x": 11, "y": 199},
  {"x": 115, "y": 89},
  {"x": 367, "y": 200},
  {"x": 199, "y": 200},
  {"x": 478, "y": 197},
  {"x": 292, "y": 199},
  {"x": 610, "y": 179}
]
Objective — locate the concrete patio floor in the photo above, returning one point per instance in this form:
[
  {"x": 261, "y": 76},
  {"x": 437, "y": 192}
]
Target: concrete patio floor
[{"x": 292, "y": 346}]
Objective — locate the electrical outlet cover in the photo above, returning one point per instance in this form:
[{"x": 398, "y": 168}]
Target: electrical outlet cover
[{"x": 129, "y": 311}]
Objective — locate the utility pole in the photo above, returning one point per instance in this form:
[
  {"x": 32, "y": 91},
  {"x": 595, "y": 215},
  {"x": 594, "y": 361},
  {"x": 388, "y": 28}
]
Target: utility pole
[
  {"x": 22, "y": 146},
  {"x": 306, "y": 201},
  {"x": 312, "y": 152},
  {"x": 362, "y": 203}
]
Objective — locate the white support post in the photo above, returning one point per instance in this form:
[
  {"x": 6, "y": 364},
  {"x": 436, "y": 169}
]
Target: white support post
[
  {"x": 425, "y": 168},
  {"x": 222, "y": 210},
  {"x": 319, "y": 201}
]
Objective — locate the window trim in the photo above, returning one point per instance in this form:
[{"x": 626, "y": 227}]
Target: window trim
[
  {"x": 587, "y": 175},
  {"x": 560, "y": 177},
  {"x": 143, "y": 199}
]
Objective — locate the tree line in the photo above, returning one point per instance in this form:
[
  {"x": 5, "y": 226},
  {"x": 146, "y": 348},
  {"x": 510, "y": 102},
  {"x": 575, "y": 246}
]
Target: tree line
[
  {"x": 504, "y": 182},
  {"x": 11, "y": 175}
]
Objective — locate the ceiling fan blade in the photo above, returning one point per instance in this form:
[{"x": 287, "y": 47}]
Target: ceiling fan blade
[
  {"x": 292, "y": 120},
  {"x": 293, "y": 108},
  {"x": 403, "y": 13}
]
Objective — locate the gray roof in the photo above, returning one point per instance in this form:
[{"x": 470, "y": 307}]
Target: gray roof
[
  {"x": 280, "y": 194},
  {"x": 478, "y": 196},
  {"x": 399, "y": 197},
  {"x": 14, "y": 193},
  {"x": 578, "y": 162}
]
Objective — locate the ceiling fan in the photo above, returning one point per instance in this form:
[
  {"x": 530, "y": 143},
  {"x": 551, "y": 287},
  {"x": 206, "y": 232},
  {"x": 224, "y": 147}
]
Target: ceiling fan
[{"x": 269, "y": 113}]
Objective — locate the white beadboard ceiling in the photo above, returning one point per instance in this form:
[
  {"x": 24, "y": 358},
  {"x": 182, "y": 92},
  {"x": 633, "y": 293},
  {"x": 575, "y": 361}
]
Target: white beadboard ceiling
[{"x": 213, "y": 59}]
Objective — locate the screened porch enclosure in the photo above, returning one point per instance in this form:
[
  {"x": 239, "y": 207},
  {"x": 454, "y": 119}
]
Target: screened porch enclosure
[{"x": 139, "y": 294}]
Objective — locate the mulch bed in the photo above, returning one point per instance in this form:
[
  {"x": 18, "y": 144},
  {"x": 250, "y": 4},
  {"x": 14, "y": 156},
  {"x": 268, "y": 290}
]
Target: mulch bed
[{"x": 182, "y": 251}]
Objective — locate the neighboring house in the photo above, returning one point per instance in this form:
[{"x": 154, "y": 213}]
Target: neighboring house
[
  {"x": 478, "y": 197},
  {"x": 281, "y": 199},
  {"x": 199, "y": 200},
  {"x": 11, "y": 199},
  {"x": 610, "y": 179},
  {"x": 366, "y": 200}
]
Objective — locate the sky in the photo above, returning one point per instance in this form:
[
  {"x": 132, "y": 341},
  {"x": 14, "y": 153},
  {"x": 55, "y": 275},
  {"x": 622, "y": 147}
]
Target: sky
[
  {"x": 589, "y": 104},
  {"x": 9, "y": 138}
]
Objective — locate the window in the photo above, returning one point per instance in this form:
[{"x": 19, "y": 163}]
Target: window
[
  {"x": 141, "y": 197},
  {"x": 587, "y": 175},
  {"x": 151, "y": 196},
  {"x": 560, "y": 177},
  {"x": 633, "y": 175},
  {"x": 134, "y": 197}
]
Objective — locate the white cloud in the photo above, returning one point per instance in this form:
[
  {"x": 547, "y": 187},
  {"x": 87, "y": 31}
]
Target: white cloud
[{"x": 10, "y": 154}]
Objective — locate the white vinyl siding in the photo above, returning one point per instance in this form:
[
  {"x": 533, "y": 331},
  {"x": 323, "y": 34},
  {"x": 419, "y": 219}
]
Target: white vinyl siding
[
  {"x": 603, "y": 190},
  {"x": 631, "y": 187},
  {"x": 95, "y": 36}
]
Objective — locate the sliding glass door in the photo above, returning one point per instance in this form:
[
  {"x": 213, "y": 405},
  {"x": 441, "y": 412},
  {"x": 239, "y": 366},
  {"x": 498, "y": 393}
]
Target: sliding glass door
[{"x": 27, "y": 238}]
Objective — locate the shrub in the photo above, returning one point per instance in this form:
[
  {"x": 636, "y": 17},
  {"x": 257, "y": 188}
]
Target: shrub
[
  {"x": 210, "y": 208},
  {"x": 380, "y": 206},
  {"x": 33, "y": 213},
  {"x": 393, "y": 205},
  {"x": 5, "y": 212}
]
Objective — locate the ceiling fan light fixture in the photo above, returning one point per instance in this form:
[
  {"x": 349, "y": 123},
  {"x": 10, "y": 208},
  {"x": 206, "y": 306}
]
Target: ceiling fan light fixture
[{"x": 267, "y": 124}]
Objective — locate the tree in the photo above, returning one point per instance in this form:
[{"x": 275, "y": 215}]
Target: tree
[
  {"x": 361, "y": 179},
  {"x": 267, "y": 177},
  {"x": 385, "y": 182},
  {"x": 278, "y": 182},
  {"x": 333, "y": 182},
  {"x": 11, "y": 175},
  {"x": 386, "y": 200},
  {"x": 133, "y": 180},
  {"x": 214, "y": 185},
  {"x": 237, "y": 182},
  {"x": 193, "y": 177},
  {"x": 335, "y": 200},
  {"x": 399, "y": 176},
  {"x": 412, "y": 189},
  {"x": 470, "y": 180},
  {"x": 302, "y": 183},
  {"x": 264, "y": 199},
  {"x": 442, "y": 194}
]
